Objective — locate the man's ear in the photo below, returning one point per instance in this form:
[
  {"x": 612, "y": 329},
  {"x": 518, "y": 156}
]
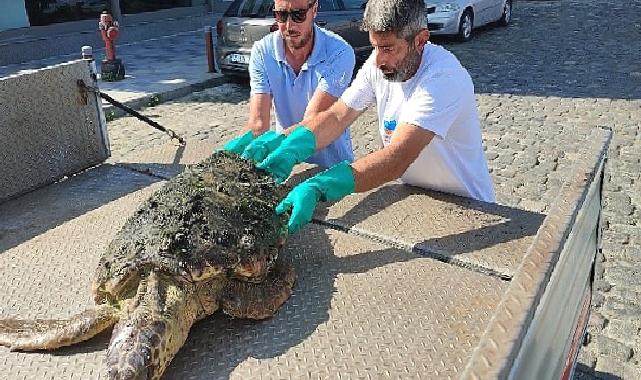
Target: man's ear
[{"x": 421, "y": 39}]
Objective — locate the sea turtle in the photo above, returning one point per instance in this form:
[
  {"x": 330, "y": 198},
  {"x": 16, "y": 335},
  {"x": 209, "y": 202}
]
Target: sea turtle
[{"x": 208, "y": 239}]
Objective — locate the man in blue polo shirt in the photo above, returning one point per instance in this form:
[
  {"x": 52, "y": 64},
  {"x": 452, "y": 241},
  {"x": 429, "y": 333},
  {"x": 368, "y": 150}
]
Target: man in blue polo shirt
[{"x": 300, "y": 70}]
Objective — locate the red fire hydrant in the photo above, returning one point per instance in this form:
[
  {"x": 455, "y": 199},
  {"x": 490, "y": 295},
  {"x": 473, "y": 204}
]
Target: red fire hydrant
[{"x": 112, "y": 69}]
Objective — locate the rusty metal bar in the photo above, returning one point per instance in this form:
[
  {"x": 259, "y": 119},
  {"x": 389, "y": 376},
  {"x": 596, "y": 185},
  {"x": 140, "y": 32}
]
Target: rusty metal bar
[
  {"x": 82, "y": 87},
  {"x": 141, "y": 117}
]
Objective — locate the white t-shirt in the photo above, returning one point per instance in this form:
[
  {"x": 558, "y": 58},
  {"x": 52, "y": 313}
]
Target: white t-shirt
[{"x": 439, "y": 98}]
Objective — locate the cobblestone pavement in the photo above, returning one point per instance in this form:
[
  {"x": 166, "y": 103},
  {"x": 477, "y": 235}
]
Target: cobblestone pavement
[{"x": 560, "y": 69}]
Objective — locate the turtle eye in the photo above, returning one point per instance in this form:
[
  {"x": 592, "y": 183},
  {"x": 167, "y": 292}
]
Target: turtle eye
[{"x": 246, "y": 242}]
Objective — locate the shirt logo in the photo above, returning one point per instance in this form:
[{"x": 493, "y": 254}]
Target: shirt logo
[{"x": 389, "y": 126}]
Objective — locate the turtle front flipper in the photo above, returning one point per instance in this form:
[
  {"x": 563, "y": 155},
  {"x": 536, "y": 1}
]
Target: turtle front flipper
[
  {"x": 152, "y": 330},
  {"x": 241, "y": 299},
  {"x": 40, "y": 334}
]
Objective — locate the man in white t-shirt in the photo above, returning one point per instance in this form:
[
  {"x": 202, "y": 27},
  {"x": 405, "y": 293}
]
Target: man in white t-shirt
[{"x": 428, "y": 120}]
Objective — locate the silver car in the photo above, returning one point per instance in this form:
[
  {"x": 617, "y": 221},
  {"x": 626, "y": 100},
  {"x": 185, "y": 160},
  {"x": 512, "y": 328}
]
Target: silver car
[
  {"x": 247, "y": 21},
  {"x": 460, "y": 17}
]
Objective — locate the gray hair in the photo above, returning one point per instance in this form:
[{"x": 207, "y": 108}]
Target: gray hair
[{"x": 406, "y": 18}]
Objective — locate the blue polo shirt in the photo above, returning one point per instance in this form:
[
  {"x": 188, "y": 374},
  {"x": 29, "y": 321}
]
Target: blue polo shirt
[{"x": 329, "y": 68}]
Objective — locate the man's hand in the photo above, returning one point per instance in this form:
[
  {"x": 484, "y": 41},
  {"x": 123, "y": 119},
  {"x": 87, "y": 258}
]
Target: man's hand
[
  {"x": 294, "y": 149},
  {"x": 302, "y": 200},
  {"x": 330, "y": 185},
  {"x": 262, "y": 146},
  {"x": 237, "y": 145}
]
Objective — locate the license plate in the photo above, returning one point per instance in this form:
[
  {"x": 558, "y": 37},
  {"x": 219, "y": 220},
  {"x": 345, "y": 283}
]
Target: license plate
[{"x": 238, "y": 58}]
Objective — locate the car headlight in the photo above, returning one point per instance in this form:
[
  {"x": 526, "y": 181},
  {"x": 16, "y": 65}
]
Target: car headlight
[{"x": 447, "y": 7}]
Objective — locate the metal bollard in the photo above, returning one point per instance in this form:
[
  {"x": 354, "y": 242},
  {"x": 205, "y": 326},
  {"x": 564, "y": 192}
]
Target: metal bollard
[
  {"x": 86, "y": 52},
  {"x": 209, "y": 47}
]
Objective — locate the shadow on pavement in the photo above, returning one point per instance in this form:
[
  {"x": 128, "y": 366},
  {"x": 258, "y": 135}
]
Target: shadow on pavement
[
  {"x": 233, "y": 91},
  {"x": 583, "y": 372}
]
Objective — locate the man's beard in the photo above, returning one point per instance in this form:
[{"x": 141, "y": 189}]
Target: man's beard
[
  {"x": 405, "y": 69},
  {"x": 295, "y": 45}
]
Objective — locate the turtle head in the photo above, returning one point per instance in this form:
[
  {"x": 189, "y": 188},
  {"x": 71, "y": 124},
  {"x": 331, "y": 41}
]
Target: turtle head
[{"x": 256, "y": 265}]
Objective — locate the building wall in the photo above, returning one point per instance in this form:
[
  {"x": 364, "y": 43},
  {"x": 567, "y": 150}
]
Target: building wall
[{"x": 13, "y": 14}]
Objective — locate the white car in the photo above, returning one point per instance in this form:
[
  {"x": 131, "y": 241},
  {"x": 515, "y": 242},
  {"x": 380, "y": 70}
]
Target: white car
[{"x": 460, "y": 17}]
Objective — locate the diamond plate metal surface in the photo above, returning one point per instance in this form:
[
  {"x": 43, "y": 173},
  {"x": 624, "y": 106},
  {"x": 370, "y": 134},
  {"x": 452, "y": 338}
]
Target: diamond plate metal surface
[
  {"x": 51, "y": 242},
  {"x": 489, "y": 237},
  {"x": 167, "y": 160},
  {"x": 360, "y": 309},
  {"x": 37, "y": 212}
]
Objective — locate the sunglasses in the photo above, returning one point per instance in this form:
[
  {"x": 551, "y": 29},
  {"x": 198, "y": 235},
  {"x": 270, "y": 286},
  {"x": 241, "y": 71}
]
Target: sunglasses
[{"x": 296, "y": 15}]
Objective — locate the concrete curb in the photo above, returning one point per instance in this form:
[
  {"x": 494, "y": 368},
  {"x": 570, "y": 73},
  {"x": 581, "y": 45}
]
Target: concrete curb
[{"x": 112, "y": 112}]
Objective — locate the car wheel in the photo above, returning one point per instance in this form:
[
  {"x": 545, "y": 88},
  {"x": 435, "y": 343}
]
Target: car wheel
[
  {"x": 465, "y": 26},
  {"x": 506, "y": 17}
]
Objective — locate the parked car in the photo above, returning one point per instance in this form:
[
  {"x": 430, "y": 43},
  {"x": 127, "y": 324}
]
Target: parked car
[
  {"x": 247, "y": 21},
  {"x": 460, "y": 17}
]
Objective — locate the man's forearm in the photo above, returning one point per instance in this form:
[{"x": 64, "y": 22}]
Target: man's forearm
[
  {"x": 259, "y": 114},
  {"x": 376, "y": 169},
  {"x": 321, "y": 126},
  {"x": 256, "y": 122},
  {"x": 391, "y": 162},
  {"x": 327, "y": 126},
  {"x": 256, "y": 128}
]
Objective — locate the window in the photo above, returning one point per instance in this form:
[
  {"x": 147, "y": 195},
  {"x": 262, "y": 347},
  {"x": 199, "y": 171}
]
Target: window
[
  {"x": 250, "y": 8},
  {"x": 139, "y": 6},
  {"x": 328, "y": 5},
  {"x": 45, "y": 12},
  {"x": 354, "y": 4}
]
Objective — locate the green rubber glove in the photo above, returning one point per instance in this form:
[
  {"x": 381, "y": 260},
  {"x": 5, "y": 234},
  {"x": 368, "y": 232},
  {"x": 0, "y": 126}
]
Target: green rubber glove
[
  {"x": 262, "y": 146},
  {"x": 294, "y": 149},
  {"x": 237, "y": 145},
  {"x": 330, "y": 185}
]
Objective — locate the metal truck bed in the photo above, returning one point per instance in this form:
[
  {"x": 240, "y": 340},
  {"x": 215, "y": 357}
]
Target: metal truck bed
[{"x": 394, "y": 283}]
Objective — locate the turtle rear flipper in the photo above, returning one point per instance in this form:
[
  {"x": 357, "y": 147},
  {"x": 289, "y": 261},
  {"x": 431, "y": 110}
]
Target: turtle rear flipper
[{"x": 41, "y": 334}]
